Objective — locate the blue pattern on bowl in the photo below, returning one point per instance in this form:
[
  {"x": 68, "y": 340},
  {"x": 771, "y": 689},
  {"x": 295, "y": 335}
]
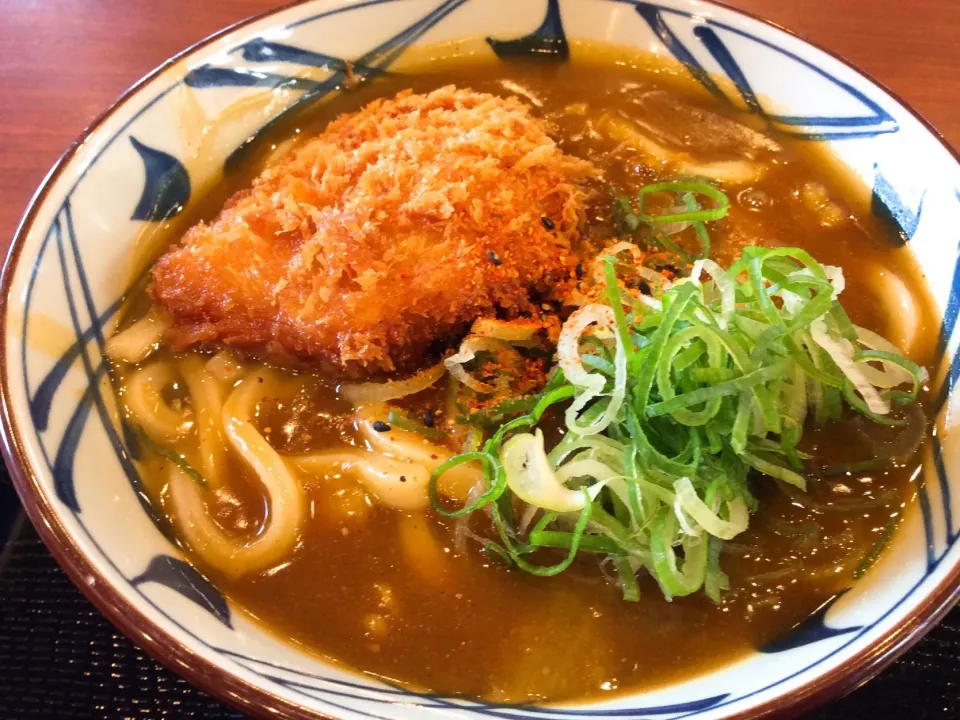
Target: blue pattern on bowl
[{"x": 166, "y": 186}]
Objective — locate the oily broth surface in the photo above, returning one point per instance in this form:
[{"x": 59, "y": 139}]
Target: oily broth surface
[{"x": 390, "y": 594}]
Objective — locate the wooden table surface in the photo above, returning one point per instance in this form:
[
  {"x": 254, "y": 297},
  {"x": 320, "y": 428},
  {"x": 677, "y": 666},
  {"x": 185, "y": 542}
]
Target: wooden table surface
[{"x": 63, "y": 61}]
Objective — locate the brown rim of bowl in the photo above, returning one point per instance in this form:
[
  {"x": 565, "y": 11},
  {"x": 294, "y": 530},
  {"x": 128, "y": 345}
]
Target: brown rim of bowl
[{"x": 261, "y": 703}]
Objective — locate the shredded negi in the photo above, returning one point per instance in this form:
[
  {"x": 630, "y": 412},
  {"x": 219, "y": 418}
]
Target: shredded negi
[{"x": 671, "y": 394}]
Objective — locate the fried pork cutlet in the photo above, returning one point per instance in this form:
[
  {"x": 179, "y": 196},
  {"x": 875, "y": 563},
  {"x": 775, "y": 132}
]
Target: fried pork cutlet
[{"x": 385, "y": 235}]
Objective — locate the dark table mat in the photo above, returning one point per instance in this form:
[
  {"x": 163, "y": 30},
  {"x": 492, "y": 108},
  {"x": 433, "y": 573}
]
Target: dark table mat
[{"x": 59, "y": 658}]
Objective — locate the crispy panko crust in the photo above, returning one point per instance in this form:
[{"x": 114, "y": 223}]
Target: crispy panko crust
[{"x": 384, "y": 236}]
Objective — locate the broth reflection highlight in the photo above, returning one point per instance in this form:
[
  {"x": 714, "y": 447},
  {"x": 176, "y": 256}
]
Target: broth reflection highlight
[{"x": 295, "y": 408}]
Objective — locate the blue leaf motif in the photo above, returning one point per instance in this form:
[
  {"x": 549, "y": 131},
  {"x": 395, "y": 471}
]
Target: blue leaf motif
[
  {"x": 943, "y": 480},
  {"x": 210, "y": 76},
  {"x": 873, "y": 120},
  {"x": 886, "y": 204},
  {"x": 183, "y": 578},
  {"x": 813, "y": 629},
  {"x": 375, "y": 61},
  {"x": 263, "y": 50},
  {"x": 547, "y": 41},
  {"x": 654, "y": 18},
  {"x": 166, "y": 186},
  {"x": 722, "y": 55},
  {"x": 63, "y": 479},
  {"x": 42, "y": 401}
]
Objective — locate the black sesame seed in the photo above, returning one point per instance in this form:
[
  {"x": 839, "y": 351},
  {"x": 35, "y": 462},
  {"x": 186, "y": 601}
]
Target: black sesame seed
[
  {"x": 380, "y": 426},
  {"x": 429, "y": 419},
  {"x": 494, "y": 258},
  {"x": 403, "y": 478},
  {"x": 547, "y": 223},
  {"x": 579, "y": 270}
]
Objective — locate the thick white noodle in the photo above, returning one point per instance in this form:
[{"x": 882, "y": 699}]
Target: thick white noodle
[
  {"x": 422, "y": 549},
  {"x": 286, "y": 502},
  {"x": 901, "y": 309},
  {"x": 732, "y": 172},
  {"x": 403, "y": 445},
  {"x": 143, "y": 395},
  {"x": 138, "y": 341},
  {"x": 226, "y": 368},
  {"x": 206, "y": 399},
  {"x": 395, "y": 483}
]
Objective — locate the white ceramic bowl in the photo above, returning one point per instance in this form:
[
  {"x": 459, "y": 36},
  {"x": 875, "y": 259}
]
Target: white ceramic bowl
[{"x": 67, "y": 268}]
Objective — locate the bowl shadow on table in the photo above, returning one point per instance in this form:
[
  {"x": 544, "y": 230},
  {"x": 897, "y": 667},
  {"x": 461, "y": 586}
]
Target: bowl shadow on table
[{"x": 59, "y": 657}]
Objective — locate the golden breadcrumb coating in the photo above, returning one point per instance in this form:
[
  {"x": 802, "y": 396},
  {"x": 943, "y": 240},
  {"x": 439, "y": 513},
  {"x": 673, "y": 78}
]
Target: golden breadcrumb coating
[{"x": 385, "y": 236}]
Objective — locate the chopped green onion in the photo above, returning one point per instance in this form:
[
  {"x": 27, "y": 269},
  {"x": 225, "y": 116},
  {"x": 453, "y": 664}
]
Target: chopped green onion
[
  {"x": 500, "y": 411},
  {"x": 628, "y": 578},
  {"x": 715, "y": 581},
  {"x": 675, "y": 579},
  {"x": 405, "y": 422},
  {"x": 720, "y": 380},
  {"x": 596, "y": 362},
  {"x": 613, "y": 298},
  {"x": 545, "y": 570},
  {"x": 723, "y": 203},
  {"x": 914, "y": 370},
  {"x": 703, "y": 237},
  {"x": 775, "y": 471},
  {"x": 856, "y": 402},
  {"x": 626, "y": 219},
  {"x": 491, "y": 465},
  {"x": 589, "y": 543},
  {"x": 730, "y": 387},
  {"x": 172, "y": 455}
]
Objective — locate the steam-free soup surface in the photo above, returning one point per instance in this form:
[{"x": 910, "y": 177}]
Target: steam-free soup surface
[{"x": 395, "y": 595}]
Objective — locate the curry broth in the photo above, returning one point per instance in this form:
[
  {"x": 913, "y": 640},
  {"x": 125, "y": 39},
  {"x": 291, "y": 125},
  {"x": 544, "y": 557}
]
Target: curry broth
[{"x": 392, "y": 595}]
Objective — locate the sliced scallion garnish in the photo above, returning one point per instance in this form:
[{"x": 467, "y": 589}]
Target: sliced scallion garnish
[{"x": 675, "y": 403}]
